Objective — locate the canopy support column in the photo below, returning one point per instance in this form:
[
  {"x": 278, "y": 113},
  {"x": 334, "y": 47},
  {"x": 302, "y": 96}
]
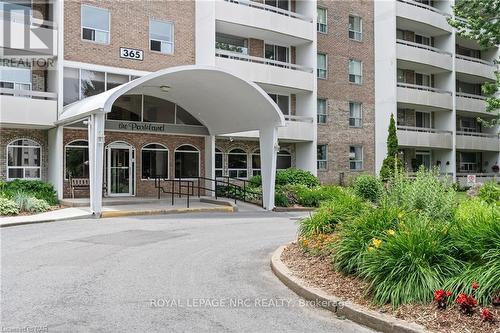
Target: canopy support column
[
  {"x": 210, "y": 163},
  {"x": 268, "y": 150},
  {"x": 96, "y": 156}
]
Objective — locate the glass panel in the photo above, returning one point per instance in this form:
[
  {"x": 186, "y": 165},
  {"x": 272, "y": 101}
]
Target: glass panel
[
  {"x": 154, "y": 163},
  {"x": 127, "y": 107},
  {"x": 354, "y": 67},
  {"x": 16, "y": 173},
  {"x": 231, "y": 43},
  {"x": 77, "y": 162},
  {"x": 321, "y": 152},
  {"x": 269, "y": 52},
  {"x": 186, "y": 164},
  {"x": 158, "y": 110},
  {"x": 237, "y": 161},
  {"x": 184, "y": 117},
  {"x": 161, "y": 31},
  {"x": 282, "y": 53},
  {"x": 71, "y": 85},
  {"x": 283, "y": 162},
  {"x": 15, "y": 74},
  {"x": 218, "y": 160},
  {"x": 187, "y": 148},
  {"x": 23, "y": 156},
  {"x": 119, "y": 165},
  {"x": 255, "y": 161},
  {"x": 321, "y": 61},
  {"x": 92, "y": 83},
  {"x": 114, "y": 80},
  {"x": 96, "y": 18}
]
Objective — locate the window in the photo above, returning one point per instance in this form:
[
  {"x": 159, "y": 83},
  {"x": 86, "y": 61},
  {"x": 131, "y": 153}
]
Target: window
[
  {"x": 161, "y": 36},
  {"x": 218, "y": 162},
  {"x": 282, "y": 4},
  {"x": 71, "y": 85},
  {"x": 158, "y": 110},
  {"x": 95, "y": 24},
  {"x": 24, "y": 158},
  {"x": 355, "y": 71},
  {"x": 187, "y": 162},
  {"x": 277, "y": 53},
  {"x": 126, "y": 107},
  {"x": 322, "y": 66},
  {"x": 355, "y": 114},
  {"x": 154, "y": 161},
  {"x": 321, "y": 109},
  {"x": 237, "y": 163},
  {"x": 15, "y": 77},
  {"x": 256, "y": 163},
  {"x": 283, "y": 102},
  {"x": 115, "y": 80},
  {"x": 322, "y": 20},
  {"x": 284, "y": 160},
  {"x": 322, "y": 157},
  {"x": 422, "y": 158},
  {"x": 423, "y": 80},
  {"x": 356, "y": 158},
  {"x": 77, "y": 159},
  {"x": 91, "y": 83},
  {"x": 185, "y": 118},
  {"x": 423, "y": 119},
  {"x": 355, "y": 28},
  {"x": 231, "y": 43}
]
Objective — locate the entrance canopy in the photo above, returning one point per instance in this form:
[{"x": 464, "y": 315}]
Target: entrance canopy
[{"x": 221, "y": 101}]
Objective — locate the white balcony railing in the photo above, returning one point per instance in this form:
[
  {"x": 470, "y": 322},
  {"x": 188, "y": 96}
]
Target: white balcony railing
[
  {"x": 471, "y": 96},
  {"x": 262, "y": 6},
  {"x": 477, "y": 134},
  {"x": 304, "y": 119},
  {"x": 421, "y": 129},
  {"x": 422, "y": 46},
  {"x": 480, "y": 61},
  {"x": 424, "y": 88},
  {"x": 424, "y": 6},
  {"x": 260, "y": 60},
  {"x": 28, "y": 93}
]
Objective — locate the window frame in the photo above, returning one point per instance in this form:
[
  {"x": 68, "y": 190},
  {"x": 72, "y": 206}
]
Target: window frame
[
  {"x": 256, "y": 152},
  {"x": 70, "y": 146},
  {"x": 355, "y": 160},
  {"x": 360, "y": 125},
  {"x": 82, "y": 26},
  {"x": 39, "y": 167},
  {"x": 323, "y": 116},
  {"x": 176, "y": 150},
  {"x": 283, "y": 152},
  {"x": 229, "y": 169},
  {"x": 165, "y": 148},
  {"x": 322, "y": 161},
  {"x": 219, "y": 151},
  {"x": 355, "y": 75},
  {"x": 355, "y": 33},
  {"x": 289, "y": 97},
  {"x": 318, "y": 25},
  {"x": 172, "y": 25},
  {"x": 321, "y": 69}
]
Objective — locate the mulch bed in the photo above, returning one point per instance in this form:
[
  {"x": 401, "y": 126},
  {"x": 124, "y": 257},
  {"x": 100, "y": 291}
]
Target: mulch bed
[{"x": 317, "y": 271}]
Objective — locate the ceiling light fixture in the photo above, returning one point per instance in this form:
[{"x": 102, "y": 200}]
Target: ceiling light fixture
[{"x": 165, "y": 88}]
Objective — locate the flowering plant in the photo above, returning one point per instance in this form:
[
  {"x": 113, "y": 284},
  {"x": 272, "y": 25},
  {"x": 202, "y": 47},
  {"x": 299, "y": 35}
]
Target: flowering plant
[
  {"x": 487, "y": 315},
  {"x": 467, "y": 303},
  {"x": 441, "y": 297}
]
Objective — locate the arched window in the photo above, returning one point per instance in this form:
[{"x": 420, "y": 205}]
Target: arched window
[
  {"x": 256, "y": 162},
  {"x": 237, "y": 163},
  {"x": 77, "y": 159},
  {"x": 154, "y": 159},
  {"x": 24, "y": 159},
  {"x": 218, "y": 162},
  {"x": 284, "y": 160},
  {"x": 187, "y": 162}
]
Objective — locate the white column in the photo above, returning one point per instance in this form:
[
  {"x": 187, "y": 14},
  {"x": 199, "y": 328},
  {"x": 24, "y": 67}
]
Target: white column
[
  {"x": 268, "y": 150},
  {"x": 96, "y": 156},
  {"x": 210, "y": 162},
  {"x": 56, "y": 164}
]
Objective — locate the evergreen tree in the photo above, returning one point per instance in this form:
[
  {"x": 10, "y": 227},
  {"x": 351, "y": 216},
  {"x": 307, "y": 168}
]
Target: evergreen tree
[{"x": 392, "y": 161}]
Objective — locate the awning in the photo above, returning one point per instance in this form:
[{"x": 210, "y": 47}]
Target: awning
[{"x": 221, "y": 101}]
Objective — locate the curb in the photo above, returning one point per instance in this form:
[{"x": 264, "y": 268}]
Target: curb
[
  {"x": 123, "y": 213},
  {"x": 293, "y": 209},
  {"x": 13, "y": 224},
  {"x": 354, "y": 312}
]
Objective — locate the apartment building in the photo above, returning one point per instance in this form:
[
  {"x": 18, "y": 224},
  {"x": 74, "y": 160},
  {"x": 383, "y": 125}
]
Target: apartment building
[{"x": 430, "y": 79}]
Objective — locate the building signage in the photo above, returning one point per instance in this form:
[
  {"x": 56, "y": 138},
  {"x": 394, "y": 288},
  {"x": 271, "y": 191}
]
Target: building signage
[
  {"x": 141, "y": 127},
  {"x": 133, "y": 54},
  {"x": 471, "y": 180}
]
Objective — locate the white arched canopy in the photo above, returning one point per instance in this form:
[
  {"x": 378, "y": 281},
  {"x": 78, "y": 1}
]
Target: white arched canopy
[{"x": 224, "y": 103}]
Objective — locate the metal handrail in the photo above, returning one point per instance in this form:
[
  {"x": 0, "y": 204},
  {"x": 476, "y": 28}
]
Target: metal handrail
[
  {"x": 27, "y": 93},
  {"x": 467, "y": 95},
  {"x": 479, "y": 134},
  {"x": 425, "y": 88},
  {"x": 481, "y": 61},
  {"x": 260, "y": 60},
  {"x": 304, "y": 119},
  {"x": 254, "y": 4},
  {"x": 181, "y": 184},
  {"x": 422, "y": 129},
  {"x": 424, "y": 6},
  {"x": 422, "y": 46}
]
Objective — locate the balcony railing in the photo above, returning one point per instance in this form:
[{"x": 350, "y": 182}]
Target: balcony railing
[
  {"x": 422, "y": 129},
  {"x": 422, "y": 46},
  {"x": 304, "y": 119},
  {"x": 480, "y": 61},
  {"x": 472, "y": 96},
  {"x": 28, "y": 93},
  {"x": 260, "y": 60},
  {"x": 424, "y": 6},
  {"x": 478, "y": 134},
  {"x": 273, "y": 9},
  {"x": 424, "y": 88}
]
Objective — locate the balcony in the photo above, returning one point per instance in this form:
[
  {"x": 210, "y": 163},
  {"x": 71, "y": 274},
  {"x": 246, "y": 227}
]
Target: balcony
[
  {"x": 419, "y": 12},
  {"x": 470, "y": 102},
  {"x": 264, "y": 22},
  {"x": 477, "y": 141},
  {"x": 409, "y": 136},
  {"x": 297, "y": 129},
  {"x": 480, "y": 177},
  {"x": 423, "y": 95},
  {"x": 27, "y": 107},
  {"x": 424, "y": 54},
  {"x": 266, "y": 71},
  {"x": 475, "y": 66}
]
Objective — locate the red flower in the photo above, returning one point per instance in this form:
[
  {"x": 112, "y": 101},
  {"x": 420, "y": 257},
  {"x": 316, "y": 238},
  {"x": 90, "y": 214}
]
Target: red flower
[
  {"x": 475, "y": 285},
  {"x": 487, "y": 315},
  {"x": 441, "y": 298},
  {"x": 466, "y": 302}
]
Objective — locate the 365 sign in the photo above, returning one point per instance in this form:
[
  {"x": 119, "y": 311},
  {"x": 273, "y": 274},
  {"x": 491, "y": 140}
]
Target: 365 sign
[{"x": 131, "y": 53}]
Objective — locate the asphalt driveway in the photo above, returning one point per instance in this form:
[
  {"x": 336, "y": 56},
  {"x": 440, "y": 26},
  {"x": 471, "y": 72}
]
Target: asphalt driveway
[{"x": 184, "y": 273}]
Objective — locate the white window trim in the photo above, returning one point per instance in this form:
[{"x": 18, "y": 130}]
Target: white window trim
[
  {"x": 360, "y": 32},
  {"x": 82, "y": 26},
  {"x": 162, "y": 41},
  {"x": 189, "y": 151},
  {"x": 66, "y": 148},
  {"x": 23, "y": 167},
  {"x": 430, "y": 118},
  {"x": 289, "y": 101},
  {"x": 326, "y": 69},
  {"x": 288, "y": 51},
  {"x": 361, "y": 114},
  {"x": 357, "y": 161},
  {"x": 238, "y": 169},
  {"x": 349, "y": 73},
  {"x": 325, "y": 161},
  {"x": 156, "y": 149},
  {"x": 326, "y": 21},
  {"x": 325, "y": 115}
]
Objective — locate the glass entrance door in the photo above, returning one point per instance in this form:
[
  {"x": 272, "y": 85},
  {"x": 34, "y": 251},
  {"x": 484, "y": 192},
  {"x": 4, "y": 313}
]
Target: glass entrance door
[{"x": 120, "y": 170}]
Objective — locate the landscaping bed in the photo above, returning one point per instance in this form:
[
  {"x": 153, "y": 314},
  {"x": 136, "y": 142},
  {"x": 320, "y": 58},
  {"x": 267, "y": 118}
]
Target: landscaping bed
[
  {"x": 27, "y": 197},
  {"x": 316, "y": 270}
]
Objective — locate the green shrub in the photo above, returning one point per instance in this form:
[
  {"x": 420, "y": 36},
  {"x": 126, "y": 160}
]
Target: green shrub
[
  {"x": 21, "y": 199},
  {"x": 410, "y": 265},
  {"x": 255, "y": 181},
  {"x": 368, "y": 187},
  {"x": 35, "y": 188},
  {"x": 490, "y": 192},
  {"x": 356, "y": 236},
  {"x": 35, "y": 205},
  {"x": 343, "y": 208},
  {"x": 280, "y": 199},
  {"x": 296, "y": 177},
  {"x": 8, "y": 207}
]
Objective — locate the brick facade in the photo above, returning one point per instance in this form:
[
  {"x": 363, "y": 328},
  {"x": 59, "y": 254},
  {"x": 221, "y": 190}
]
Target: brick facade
[
  {"x": 129, "y": 27},
  {"x": 339, "y": 91}
]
